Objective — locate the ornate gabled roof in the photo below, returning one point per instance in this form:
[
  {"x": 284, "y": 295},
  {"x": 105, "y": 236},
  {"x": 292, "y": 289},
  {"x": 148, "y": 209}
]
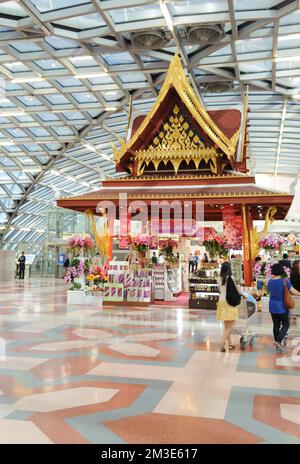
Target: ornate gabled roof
[
  {"x": 240, "y": 189},
  {"x": 177, "y": 83}
]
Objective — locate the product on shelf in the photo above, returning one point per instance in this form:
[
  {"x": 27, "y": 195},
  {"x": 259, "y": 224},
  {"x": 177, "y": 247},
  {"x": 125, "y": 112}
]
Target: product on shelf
[{"x": 124, "y": 284}]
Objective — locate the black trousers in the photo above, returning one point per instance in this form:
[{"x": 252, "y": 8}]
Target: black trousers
[
  {"x": 191, "y": 266},
  {"x": 281, "y": 324},
  {"x": 21, "y": 272}
]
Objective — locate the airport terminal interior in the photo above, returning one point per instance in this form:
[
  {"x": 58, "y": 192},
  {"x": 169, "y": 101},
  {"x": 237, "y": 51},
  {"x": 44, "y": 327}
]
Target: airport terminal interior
[{"x": 149, "y": 222}]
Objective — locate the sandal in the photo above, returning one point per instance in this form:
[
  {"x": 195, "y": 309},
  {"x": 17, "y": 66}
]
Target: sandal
[{"x": 231, "y": 347}]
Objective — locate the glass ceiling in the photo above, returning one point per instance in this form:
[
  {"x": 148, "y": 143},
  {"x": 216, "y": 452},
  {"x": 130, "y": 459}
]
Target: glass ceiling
[{"x": 68, "y": 68}]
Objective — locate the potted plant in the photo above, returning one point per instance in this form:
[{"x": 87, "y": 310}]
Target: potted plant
[
  {"x": 142, "y": 243},
  {"x": 271, "y": 243},
  {"x": 167, "y": 246},
  {"x": 78, "y": 244},
  {"x": 215, "y": 245}
]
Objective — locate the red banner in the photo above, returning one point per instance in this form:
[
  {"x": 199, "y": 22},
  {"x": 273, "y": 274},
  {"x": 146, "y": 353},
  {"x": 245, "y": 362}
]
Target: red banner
[{"x": 232, "y": 227}]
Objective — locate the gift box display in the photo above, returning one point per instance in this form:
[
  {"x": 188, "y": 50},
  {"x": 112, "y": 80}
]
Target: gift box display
[
  {"x": 159, "y": 283},
  {"x": 113, "y": 292},
  {"x": 125, "y": 285},
  {"x": 118, "y": 266},
  {"x": 120, "y": 277}
]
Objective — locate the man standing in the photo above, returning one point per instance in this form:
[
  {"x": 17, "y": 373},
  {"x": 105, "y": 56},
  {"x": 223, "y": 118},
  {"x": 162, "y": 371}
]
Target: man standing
[
  {"x": 154, "y": 258},
  {"x": 191, "y": 263},
  {"x": 285, "y": 262},
  {"x": 22, "y": 260}
]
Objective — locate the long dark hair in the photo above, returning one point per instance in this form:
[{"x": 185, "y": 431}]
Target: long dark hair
[
  {"x": 295, "y": 271},
  {"x": 225, "y": 272}
]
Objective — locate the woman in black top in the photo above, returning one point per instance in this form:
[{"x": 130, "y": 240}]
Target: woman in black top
[{"x": 295, "y": 275}]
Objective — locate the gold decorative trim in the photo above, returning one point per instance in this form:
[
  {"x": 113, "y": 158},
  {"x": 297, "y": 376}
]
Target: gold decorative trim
[
  {"x": 183, "y": 195},
  {"x": 174, "y": 177}
]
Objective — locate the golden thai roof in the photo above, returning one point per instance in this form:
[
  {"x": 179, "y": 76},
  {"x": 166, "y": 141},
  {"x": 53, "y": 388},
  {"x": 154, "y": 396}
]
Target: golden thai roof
[{"x": 177, "y": 79}]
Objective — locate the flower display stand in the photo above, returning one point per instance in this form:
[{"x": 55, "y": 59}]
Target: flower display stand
[
  {"x": 265, "y": 300},
  {"x": 80, "y": 280},
  {"x": 94, "y": 300},
  {"x": 75, "y": 297}
]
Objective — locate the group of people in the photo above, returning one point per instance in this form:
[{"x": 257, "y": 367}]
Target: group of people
[
  {"x": 231, "y": 293},
  {"x": 194, "y": 260}
]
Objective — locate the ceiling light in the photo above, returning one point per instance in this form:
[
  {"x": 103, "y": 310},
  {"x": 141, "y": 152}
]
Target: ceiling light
[
  {"x": 288, "y": 37},
  {"x": 20, "y": 80},
  {"x": 78, "y": 58},
  {"x": 6, "y": 142},
  {"x": 110, "y": 108},
  {"x": 33, "y": 169},
  {"x": 90, "y": 75},
  {"x": 287, "y": 58},
  {"x": 12, "y": 113}
]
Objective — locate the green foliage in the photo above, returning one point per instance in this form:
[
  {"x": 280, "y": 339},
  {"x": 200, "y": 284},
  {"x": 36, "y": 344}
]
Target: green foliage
[{"x": 75, "y": 286}]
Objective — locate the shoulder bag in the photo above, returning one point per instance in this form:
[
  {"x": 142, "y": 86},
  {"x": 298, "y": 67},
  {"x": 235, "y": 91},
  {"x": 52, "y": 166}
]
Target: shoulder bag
[
  {"x": 289, "y": 303},
  {"x": 233, "y": 297}
]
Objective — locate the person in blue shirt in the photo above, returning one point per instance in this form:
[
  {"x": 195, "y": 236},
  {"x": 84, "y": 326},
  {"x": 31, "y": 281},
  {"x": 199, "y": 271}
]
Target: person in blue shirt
[
  {"x": 280, "y": 315},
  {"x": 196, "y": 258}
]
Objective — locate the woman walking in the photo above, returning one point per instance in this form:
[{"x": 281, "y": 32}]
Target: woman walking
[
  {"x": 279, "y": 314},
  {"x": 228, "y": 311}
]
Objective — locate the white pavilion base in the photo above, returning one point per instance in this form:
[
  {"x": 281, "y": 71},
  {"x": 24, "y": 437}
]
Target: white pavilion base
[
  {"x": 93, "y": 300},
  {"x": 79, "y": 297},
  {"x": 75, "y": 297}
]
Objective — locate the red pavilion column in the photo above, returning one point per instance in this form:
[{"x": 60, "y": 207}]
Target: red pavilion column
[{"x": 247, "y": 245}]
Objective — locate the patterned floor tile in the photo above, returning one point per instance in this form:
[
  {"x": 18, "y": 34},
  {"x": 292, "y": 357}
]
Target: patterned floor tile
[{"x": 72, "y": 374}]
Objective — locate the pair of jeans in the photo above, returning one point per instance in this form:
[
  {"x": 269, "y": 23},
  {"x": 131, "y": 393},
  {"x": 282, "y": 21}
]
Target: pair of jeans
[
  {"x": 191, "y": 267},
  {"x": 281, "y": 324}
]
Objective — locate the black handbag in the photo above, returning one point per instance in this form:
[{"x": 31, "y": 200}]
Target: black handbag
[{"x": 233, "y": 297}]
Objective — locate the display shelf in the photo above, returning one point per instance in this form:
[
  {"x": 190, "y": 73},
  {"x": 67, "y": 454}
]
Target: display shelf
[
  {"x": 204, "y": 292},
  {"x": 200, "y": 292}
]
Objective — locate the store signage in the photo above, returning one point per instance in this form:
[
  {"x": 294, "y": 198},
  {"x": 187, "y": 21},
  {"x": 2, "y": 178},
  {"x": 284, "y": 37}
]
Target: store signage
[
  {"x": 61, "y": 258},
  {"x": 124, "y": 242},
  {"x": 29, "y": 259},
  {"x": 292, "y": 239},
  {"x": 188, "y": 228}
]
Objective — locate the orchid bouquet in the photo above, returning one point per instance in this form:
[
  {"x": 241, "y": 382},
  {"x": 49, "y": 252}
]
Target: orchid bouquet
[
  {"x": 97, "y": 276},
  {"x": 142, "y": 242},
  {"x": 167, "y": 246},
  {"x": 77, "y": 270},
  {"x": 215, "y": 245},
  {"x": 271, "y": 242},
  {"x": 80, "y": 242}
]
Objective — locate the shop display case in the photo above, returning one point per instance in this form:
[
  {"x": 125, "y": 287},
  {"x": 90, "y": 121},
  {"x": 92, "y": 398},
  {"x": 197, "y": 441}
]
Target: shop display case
[{"x": 204, "y": 292}]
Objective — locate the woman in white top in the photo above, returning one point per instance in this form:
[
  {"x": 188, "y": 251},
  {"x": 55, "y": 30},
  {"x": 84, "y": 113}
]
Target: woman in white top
[{"x": 226, "y": 312}]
